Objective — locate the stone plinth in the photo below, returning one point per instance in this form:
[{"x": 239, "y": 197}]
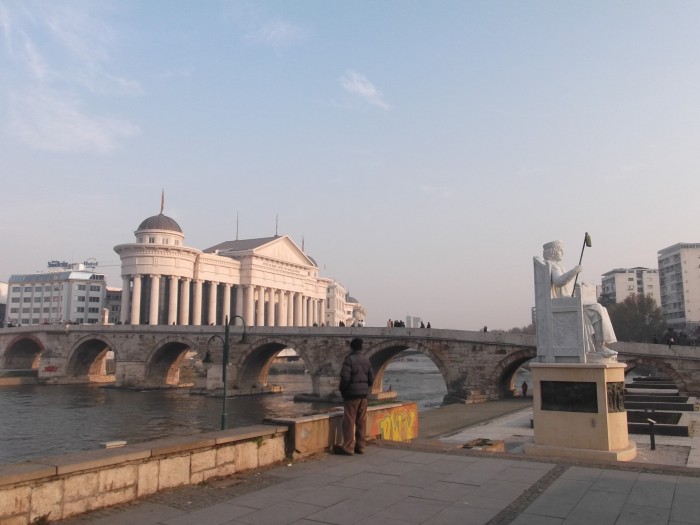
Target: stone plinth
[{"x": 579, "y": 412}]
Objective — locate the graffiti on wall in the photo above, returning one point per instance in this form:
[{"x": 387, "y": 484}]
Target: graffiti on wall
[{"x": 396, "y": 424}]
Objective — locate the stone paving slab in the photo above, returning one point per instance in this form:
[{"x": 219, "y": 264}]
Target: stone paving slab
[{"x": 398, "y": 484}]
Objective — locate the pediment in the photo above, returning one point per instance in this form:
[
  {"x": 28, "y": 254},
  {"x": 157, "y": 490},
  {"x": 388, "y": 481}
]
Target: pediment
[{"x": 284, "y": 249}]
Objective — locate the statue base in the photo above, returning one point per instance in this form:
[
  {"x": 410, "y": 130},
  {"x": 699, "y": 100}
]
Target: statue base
[{"x": 579, "y": 412}]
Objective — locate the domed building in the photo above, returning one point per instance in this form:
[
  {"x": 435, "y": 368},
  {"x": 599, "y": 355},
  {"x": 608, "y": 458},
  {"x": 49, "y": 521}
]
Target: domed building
[{"x": 267, "y": 281}]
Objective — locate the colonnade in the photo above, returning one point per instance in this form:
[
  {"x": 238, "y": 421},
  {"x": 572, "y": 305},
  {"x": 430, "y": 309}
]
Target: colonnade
[{"x": 173, "y": 300}]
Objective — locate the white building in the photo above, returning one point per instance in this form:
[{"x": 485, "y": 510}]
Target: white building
[
  {"x": 679, "y": 281},
  {"x": 620, "y": 283},
  {"x": 113, "y": 304},
  {"x": 60, "y": 296},
  {"x": 3, "y": 302},
  {"x": 267, "y": 281}
]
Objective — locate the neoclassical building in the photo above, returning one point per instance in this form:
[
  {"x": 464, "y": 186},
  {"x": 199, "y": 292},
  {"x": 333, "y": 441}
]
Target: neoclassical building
[{"x": 267, "y": 281}]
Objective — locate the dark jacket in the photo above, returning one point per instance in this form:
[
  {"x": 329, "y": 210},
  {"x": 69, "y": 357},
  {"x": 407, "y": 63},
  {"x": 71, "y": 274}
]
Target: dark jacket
[{"x": 356, "y": 376}]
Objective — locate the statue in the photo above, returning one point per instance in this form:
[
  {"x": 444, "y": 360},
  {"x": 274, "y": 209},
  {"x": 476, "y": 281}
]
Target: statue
[{"x": 598, "y": 329}]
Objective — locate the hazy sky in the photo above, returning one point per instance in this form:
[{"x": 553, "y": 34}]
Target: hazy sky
[{"x": 424, "y": 150}]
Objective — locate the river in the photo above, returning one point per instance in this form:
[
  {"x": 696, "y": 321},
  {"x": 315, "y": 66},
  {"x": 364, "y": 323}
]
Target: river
[{"x": 43, "y": 420}]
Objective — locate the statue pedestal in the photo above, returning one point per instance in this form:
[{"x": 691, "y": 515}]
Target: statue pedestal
[{"x": 579, "y": 412}]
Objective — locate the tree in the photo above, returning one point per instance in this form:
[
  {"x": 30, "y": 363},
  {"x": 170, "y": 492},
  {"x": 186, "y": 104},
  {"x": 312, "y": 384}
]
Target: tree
[
  {"x": 637, "y": 319},
  {"x": 527, "y": 330}
]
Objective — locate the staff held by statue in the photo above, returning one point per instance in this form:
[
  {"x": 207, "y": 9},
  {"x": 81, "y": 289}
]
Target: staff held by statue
[{"x": 586, "y": 242}]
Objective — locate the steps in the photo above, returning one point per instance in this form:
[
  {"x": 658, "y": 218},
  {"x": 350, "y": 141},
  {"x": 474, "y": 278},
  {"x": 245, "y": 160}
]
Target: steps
[{"x": 657, "y": 398}]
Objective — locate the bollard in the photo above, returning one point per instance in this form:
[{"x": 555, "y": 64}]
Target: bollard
[{"x": 651, "y": 433}]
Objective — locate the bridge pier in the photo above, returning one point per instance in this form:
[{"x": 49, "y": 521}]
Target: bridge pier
[{"x": 130, "y": 374}]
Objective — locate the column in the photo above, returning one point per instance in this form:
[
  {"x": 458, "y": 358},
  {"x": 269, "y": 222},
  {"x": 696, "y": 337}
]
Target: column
[
  {"x": 249, "y": 309},
  {"x": 227, "y": 303},
  {"x": 282, "y": 317},
  {"x": 323, "y": 312},
  {"x": 185, "y": 302},
  {"x": 239, "y": 300},
  {"x": 136, "y": 301},
  {"x": 271, "y": 307},
  {"x": 197, "y": 303},
  {"x": 153, "y": 310},
  {"x": 172, "y": 300},
  {"x": 297, "y": 309},
  {"x": 304, "y": 311},
  {"x": 212, "y": 302},
  {"x": 260, "y": 321},
  {"x": 126, "y": 299}
]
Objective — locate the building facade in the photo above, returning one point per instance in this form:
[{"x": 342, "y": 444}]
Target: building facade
[
  {"x": 54, "y": 297},
  {"x": 267, "y": 281},
  {"x": 620, "y": 283},
  {"x": 679, "y": 281}
]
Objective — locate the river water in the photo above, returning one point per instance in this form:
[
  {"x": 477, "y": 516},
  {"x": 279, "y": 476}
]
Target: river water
[{"x": 42, "y": 420}]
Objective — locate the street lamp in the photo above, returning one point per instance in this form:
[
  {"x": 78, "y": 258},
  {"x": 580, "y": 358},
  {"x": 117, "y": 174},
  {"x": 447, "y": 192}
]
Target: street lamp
[{"x": 224, "y": 357}]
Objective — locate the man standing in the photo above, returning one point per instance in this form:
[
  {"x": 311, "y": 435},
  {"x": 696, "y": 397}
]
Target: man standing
[{"x": 356, "y": 378}]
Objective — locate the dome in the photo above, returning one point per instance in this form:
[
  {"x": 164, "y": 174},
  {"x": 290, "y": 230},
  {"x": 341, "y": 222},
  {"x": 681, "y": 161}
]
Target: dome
[{"x": 160, "y": 222}]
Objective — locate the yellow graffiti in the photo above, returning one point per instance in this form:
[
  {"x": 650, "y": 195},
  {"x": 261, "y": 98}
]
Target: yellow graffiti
[{"x": 398, "y": 426}]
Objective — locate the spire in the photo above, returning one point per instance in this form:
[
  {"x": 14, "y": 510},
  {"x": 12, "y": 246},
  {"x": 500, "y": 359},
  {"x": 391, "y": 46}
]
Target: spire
[{"x": 162, "y": 201}]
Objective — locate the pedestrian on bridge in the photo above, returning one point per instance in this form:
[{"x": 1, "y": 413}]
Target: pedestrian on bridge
[{"x": 356, "y": 379}]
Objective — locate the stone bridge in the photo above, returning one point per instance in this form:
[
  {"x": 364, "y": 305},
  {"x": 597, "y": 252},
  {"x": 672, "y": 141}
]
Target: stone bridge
[{"x": 476, "y": 366}]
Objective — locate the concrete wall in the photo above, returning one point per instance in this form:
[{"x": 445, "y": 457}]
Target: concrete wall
[
  {"x": 63, "y": 486},
  {"x": 313, "y": 434}
]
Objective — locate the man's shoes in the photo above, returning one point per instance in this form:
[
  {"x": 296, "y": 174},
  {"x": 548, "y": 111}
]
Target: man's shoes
[
  {"x": 342, "y": 451},
  {"x": 359, "y": 450}
]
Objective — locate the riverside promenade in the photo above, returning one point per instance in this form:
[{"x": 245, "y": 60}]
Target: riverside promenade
[{"x": 435, "y": 481}]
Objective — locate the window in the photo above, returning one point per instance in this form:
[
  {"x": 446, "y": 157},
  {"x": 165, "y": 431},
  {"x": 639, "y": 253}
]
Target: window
[
  {"x": 94, "y": 299},
  {"x": 16, "y": 288},
  {"x": 93, "y": 310},
  {"x": 177, "y": 242},
  {"x": 37, "y": 299},
  {"x": 27, "y": 288},
  {"x": 80, "y": 309},
  {"x": 81, "y": 287},
  {"x": 47, "y": 299},
  {"x": 26, "y": 299},
  {"x": 15, "y": 300},
  {"x": 95, "y": 288},
  {"x": 46, "y": 310},
  {"x": 14, "y": 310},
  {"x": 36, "y": 310},
  {"x": 165, "y": 240},
  {"x": 47, "y": 288},
  {"x": 151, "y": 240},
  {"x": 25, "y": 310},
  {"x": 80, "y": 299}
]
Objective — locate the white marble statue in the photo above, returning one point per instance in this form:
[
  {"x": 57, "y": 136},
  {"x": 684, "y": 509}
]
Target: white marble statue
[{"x": 598, "y": 328}]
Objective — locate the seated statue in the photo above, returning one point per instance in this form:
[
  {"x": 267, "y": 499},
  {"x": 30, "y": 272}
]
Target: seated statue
[{"x": 598, "y": 328}]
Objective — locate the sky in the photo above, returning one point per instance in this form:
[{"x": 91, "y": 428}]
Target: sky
[{"x": 422, "y": 152}]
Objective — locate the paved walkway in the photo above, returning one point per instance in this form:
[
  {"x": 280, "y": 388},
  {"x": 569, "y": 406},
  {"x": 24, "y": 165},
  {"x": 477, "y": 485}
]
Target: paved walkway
[
  {"x": 393, "y": 486},
  {"x": 437, "y": 482}
]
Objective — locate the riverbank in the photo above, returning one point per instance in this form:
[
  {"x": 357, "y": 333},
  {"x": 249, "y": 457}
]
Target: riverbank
[{"x": 449, "y": 419}]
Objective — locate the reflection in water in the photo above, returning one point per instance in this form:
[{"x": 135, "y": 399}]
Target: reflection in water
[{"x": 39, "y": 420}]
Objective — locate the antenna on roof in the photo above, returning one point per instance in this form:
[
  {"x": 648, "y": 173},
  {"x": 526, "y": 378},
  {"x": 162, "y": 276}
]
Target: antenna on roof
[
  {"x": 236, "y": 225},
  {"x": 277, "y": 221},
  {"x": 302, "y": 243},
  {"x": 162, "y": 201}
]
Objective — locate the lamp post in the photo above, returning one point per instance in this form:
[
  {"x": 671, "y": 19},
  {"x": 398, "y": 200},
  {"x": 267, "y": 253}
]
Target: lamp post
[{"x": 225, "y": 357}]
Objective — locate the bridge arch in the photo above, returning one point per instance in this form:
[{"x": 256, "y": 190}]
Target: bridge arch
[
  {"x": 163, "y": 363},
  {"x": 380, "y": 356},
  {"x": 660, "y": 364},
  {"x": 87, "y": 358},
  {"x": 23, "y": 353},
  {"x": 254, "y": 363},
  {"x": 503, "y": 376}
]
